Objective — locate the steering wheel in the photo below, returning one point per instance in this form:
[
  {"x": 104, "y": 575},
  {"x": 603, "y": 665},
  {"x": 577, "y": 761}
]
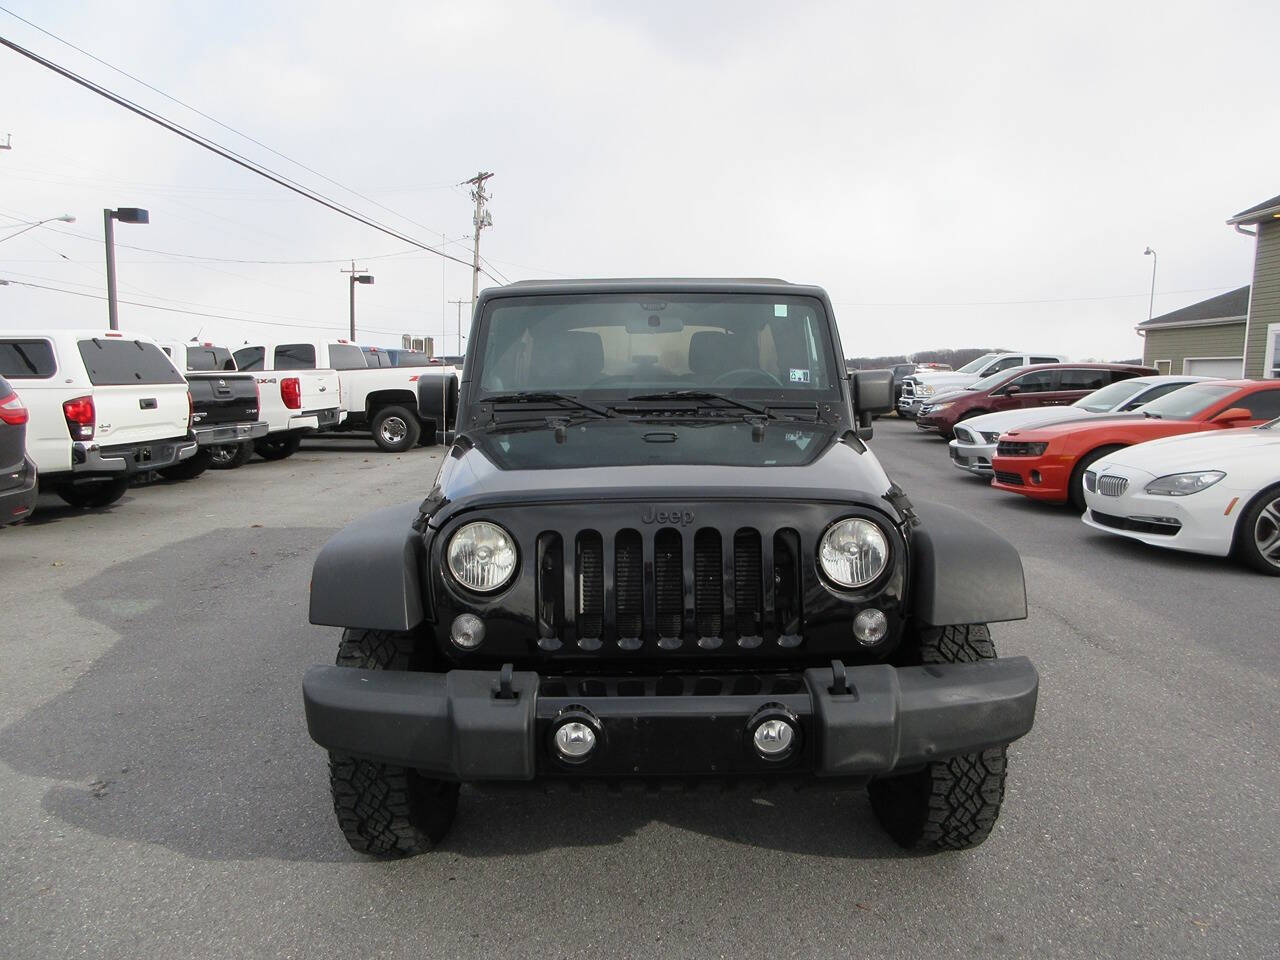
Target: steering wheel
[{"x": 747, "y": 374}]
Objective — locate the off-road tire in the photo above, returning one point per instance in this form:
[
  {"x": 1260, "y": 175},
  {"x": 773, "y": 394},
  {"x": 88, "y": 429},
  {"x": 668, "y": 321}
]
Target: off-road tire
[
  {"x": 382, "y": 809},
  {"x": 242, "y": 455},
  {"x": 395, "y": 429},
  {"x": 1075, "y": 486},
  {"x": 189, "y": 468},
  {"x": 949, "y": 804},
  {"x": 1252, "y": 522},
  {"x": 277, "y": 447},
  {"x": 95, "y": 495}
]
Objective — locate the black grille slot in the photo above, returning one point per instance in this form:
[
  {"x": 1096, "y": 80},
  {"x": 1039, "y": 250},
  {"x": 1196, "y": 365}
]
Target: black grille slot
[
  {"x": 786, "y": 577},
  {"x": 590, "y": 599},
  {"x": 1009, "y": 478},
  {"x": 748, "y": 596},
  {"x": 708, "y": 585},
  {"x": 550, "y": 587},
  {"x": 628, "y": 572},
  {"x": 668, "y": 583}
]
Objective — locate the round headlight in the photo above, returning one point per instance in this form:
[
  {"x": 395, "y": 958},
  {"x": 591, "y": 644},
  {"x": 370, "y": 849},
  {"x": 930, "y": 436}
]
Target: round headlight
[
  {"x": 482, "y": 556},
  {"x": 853, "y": 552}
]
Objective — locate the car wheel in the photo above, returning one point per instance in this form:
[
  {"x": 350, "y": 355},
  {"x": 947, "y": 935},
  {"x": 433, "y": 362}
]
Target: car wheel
[
  {"x": 95, "y": 493},
  {"x": 383, "y": 809},
  {"x": 1075, "y": 486},
  {"x": 395, "y": 429},
  {"x": 949, "y": 804},
  {"x": 1258, "y": 532},
  {"x": 229, "y": 456},
  {"x": 277, "y": 447},
  {"x": 189, "y": 468}
]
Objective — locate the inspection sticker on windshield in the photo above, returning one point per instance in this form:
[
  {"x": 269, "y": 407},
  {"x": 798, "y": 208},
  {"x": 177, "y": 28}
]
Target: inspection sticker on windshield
[
  {"x": 779, "y": 309},
  {"x": 799, "y": 376}
]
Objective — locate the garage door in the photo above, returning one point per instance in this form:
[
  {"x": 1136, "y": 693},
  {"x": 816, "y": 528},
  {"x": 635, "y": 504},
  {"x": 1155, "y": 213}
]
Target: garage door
[{"x": 1231, "y": 368}]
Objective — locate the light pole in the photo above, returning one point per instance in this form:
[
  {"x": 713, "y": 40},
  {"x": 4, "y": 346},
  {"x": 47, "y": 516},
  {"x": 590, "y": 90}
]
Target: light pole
[
  {"x": 1154, "y": 260},
  {"x": 356, "y": 277},
  {"x": 65, "y": 218},
  {"x": 124, "y": 215}
]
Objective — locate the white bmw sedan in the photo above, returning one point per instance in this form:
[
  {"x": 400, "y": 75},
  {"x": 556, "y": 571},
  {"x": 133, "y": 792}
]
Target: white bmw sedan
[
  {"x": 1211, "y": 492},
  {"x": 976, "y": 438}
]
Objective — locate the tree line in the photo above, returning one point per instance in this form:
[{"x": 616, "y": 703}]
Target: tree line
[{"x": 955, "y": 358}]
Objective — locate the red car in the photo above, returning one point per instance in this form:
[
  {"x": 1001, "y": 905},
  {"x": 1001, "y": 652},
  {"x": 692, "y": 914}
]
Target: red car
[
  {"x": 1038, "y": 385},
  {"x": 1047, "y": 463}
]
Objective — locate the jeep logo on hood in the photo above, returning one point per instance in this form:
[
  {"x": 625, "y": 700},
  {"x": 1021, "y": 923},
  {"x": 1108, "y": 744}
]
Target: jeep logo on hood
[{"x": 674, "y": 515}]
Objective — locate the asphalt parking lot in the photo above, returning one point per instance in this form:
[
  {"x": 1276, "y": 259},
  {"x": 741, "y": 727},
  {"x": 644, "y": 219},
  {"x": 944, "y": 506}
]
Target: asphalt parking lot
[{"x": 159, "y": 796}]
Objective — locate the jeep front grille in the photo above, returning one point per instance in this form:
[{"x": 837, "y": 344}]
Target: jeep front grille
[{"x": 670, "y": 589}]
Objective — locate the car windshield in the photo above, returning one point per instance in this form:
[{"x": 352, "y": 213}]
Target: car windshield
[
  {"x": 973, "y": 366},
  {"x": 1111, "y": 396},
  {"x": 621, "y": 345},
  {"x": 1188, "y": 402},
  {"x": 986, "y": 383}
]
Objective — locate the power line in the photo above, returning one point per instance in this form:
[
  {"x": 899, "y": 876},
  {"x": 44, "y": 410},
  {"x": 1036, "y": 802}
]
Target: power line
[
  {"x": 215, "y": 120},
  {"x": 192, "y": 313},
  {"x": 228, "y": 154}
]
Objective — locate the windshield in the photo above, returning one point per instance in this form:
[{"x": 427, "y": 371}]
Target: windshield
[
  {"x": 973, "y": 366},
  {"x": 627, "y": 344},
  {"x": 986, "y": 383},
  {"x": 1188, "y": 402},
  {"x": 1111, "y": 396}
]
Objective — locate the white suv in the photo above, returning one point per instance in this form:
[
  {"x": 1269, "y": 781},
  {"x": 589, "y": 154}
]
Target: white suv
[{"x": 104, "y": 405}]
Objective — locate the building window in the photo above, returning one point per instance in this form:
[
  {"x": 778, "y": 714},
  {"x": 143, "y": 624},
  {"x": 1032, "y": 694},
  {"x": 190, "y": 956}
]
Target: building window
[{"x": 1271, "y": 364}]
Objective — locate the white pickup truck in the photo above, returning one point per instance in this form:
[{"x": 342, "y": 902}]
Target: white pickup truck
[
  {"x": 298, "y": 396},
  {"x": 104, "y": 405},
  {"x": 382, "y": 400}
]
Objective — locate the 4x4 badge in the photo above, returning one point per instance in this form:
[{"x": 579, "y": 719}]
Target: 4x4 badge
[{"x": 677, "y": 516}]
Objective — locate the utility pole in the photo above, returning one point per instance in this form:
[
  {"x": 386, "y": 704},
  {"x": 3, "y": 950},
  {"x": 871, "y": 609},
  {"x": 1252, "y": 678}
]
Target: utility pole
[
  {"x": 459, "y": 304},
  {"x": 358, "y": 275},
  {"x": 481, "y": 220}
]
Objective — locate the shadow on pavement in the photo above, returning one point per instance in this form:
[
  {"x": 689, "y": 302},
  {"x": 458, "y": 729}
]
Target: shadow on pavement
[{"x": 189, "y": 732}]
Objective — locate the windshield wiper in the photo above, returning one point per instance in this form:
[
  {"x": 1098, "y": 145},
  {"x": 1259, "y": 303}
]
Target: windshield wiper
[
  {"x": 562, "y": 399},
  {"x": 707, "y": 396}
]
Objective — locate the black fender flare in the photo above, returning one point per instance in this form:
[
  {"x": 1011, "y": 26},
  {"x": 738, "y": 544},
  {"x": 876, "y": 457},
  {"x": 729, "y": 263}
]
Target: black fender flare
[
  {"x": 369, "y": 575},
  {"x": 963, "y": 571}
]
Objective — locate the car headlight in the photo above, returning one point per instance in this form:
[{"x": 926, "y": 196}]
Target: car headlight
[
  {"x": 853, "y": 552},
  {"x": 925, "y": 390},
  {"x": 1183, "y": 484},
  {"x": 991, "y": 437},
  {"x": 482, "y": 556},
  {"x": 943, "y": 406}
]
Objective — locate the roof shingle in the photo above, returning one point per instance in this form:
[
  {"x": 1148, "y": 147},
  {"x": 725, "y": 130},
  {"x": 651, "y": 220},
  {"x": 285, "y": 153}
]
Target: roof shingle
[
  {"x": 1259, "y": 211},
  {"x": 1225, "y": 305}
]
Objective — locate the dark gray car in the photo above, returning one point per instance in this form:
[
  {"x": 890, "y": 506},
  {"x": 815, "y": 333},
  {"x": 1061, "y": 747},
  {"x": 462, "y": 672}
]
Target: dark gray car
[{"x": 17, "y": 472}]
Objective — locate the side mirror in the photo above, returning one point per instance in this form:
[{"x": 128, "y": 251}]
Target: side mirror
[
  {"x": 872, "y": 393},
  {"x": 1233, "y": 415},
  {"x": 1011, "y": 389},
  {"x": 438, "y": 399}
]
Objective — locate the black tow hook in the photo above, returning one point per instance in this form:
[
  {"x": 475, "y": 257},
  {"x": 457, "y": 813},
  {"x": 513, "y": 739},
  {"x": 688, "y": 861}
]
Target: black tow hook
[
  {"x": 505, "y": 690},
  {"x": 839, "y": 680}
]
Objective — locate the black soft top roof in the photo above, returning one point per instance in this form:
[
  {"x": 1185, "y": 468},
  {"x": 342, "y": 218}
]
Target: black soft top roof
[{"x": 764, "y": 285}]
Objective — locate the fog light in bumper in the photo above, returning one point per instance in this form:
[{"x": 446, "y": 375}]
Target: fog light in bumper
[
  {"x": 574, "y": 740},
  {"x": 870, "y": 627},
  {"x": 467, "y": 631},
  {"x": 773, "y": 738}
]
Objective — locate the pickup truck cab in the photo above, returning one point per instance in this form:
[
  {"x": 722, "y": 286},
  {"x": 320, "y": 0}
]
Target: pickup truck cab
[
  {"x": 297, "y": 396},
  {"x": 380, "y": 399},
  {"x": 104, "y": 405},
  {"x": 659, "y": 549},
  {"x": 923, "y": 386},
  {"x": 224, "y": 408}
]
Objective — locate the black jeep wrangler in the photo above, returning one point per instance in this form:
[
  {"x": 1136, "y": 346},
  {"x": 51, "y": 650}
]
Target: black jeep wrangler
[{"x": 659, "y": 548}]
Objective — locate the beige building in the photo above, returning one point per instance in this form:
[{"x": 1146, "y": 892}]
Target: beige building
[{"x": 1233, "y": 334}]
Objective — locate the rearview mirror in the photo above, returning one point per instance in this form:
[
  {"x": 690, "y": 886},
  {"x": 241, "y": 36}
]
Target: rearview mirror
[
  {"x": 1233, "y": 415},
  {"x": 873, "y": 391}
]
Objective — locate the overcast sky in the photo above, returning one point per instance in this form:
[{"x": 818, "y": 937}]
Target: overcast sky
[{"x": 953, "y": 174}]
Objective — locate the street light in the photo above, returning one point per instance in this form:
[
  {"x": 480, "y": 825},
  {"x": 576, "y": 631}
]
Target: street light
[
  {"x": 356, "y": 278},
  {"x": 65, "y": 218},
  {"x": 124, "y": 215},
  {"x": 1154, "y": 260}
]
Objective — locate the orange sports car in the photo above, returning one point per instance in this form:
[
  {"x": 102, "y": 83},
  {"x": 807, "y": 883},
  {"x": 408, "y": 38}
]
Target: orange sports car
[{"x": 1048, "y": 463}]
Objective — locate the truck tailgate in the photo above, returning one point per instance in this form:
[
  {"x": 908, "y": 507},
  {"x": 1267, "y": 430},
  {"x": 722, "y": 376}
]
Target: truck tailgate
[
  {"x": 320, "y": 388},
  {"x": 138, "y": 414},
  {"x": 223, "y": 398}
]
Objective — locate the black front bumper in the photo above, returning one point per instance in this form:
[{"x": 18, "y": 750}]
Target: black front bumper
[{"x": 459, "y": 726}]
